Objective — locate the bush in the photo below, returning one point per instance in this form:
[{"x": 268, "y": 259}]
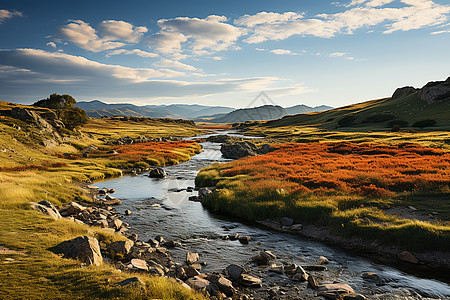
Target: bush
[
  {"x": 399, "y": 123},
  {"x": 378, "y": 118},
  {"x": 56, "y": 101},
  {"x": 347, "y": 121},
  {"x": 73, "y": 117},
  {"x": 425, "y": 123}
]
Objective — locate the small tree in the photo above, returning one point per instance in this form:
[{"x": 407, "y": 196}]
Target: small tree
[{"x": 70, "y": 115}]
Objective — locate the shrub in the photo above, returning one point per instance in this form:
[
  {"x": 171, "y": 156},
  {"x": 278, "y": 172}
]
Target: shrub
[
  {"x": 347, "y": 121},
  {"x": 400, "y": 123},
  {"x": 425, "y": 123},
  {"x": 73, "y": 117},
  {"x": 56, "y": 101}
]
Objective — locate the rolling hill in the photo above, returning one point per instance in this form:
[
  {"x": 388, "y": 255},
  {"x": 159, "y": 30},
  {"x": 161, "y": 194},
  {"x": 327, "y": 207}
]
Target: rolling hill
[
  {"x": 405, "y": 108},
  {"x": 265, "y": 112}
]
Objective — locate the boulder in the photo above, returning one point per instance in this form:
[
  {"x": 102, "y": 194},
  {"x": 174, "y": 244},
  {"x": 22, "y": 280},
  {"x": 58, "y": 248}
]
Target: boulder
[
  {"x": 300, "y": 274},
  {"x": 337, "y": 291},
  {"x": 54, "y": 214},
  {"x": 71, "y": 209},
  {"x": 110, "y": 200},
  {"x": 408, "y": 257},
  {"x": 250, "y": 281},
  {"x": 121, "y": 247},
  {"x": 127, "y": 212},
  {"x": 115, "y": 224},
  {"x": 190, "y": 271},
  {"x": 238, "y": 149},
  {"x": 192, "y": 258},
  {"x": 285, "y": 221},
  {"x": 244, "y": 239},
  {"x": 437, "y": 91},
  {"x": 197, "y": 283},
  {"x": 234, "y": 271},
  {"x": 312, "y": 282},
  {"x": 138, "y": 265},
  {"x": 370, "y": 276},
  {"x": 264, "y": 258},
  {"x": 315, "y": 268},
  {"x": 84, "y": 248},
  {"x": 157, "y": 173},
  {"x": 155, "y": 268},
  {"x": 204, "y": 191},
  {"x": 296, "y": 227},
  {"x": 322, "y": 260},
  {"x": 226, "y": 286}
]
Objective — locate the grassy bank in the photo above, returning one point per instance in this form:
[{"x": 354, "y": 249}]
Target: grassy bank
[
  {"x": 345, "y": 186},
  {"x": 31, "y": 172}
]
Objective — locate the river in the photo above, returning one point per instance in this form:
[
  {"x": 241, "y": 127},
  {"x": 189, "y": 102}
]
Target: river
[{"x": 161, "y": 207}]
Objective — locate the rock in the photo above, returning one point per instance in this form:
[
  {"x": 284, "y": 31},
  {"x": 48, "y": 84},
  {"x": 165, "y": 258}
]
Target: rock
[
  {"x": 190, "y": 271},
  {"x": 285, "y": 221},
  {"x": 371, "y": 277},
  {"x": 204, "y": 191},
  {"x": 438, "y": 91},
  {"x": 322, "y": 260},
  {"x": 337, "y": 291},
  {"x": 296, "y": 227},
  {"x": 155, "y": 268},
  {"x": 115, "y": 224},
  {"x": 315, "y": 268},
  {"x": 134, "y": 237},
  {"x": 407, "y": 256},
  {"x": 157, "y": 173},
  {"x": 172, "y": 244},
  {"x": 127, "y": 212},
  {"x": 250, "y": 281},
  {"x": 404, "y": 91},
  {"x": 159, "y": 239},
  {"x": 111, "y": 191},
  {"x": 192, "y": 258},
  {"x": 84, "y": 248},
  {"x": 112, "y": 200},
  {"x": 121, "y": 247},
  {"x": 138, "y": 264},
  {"x": 235, "y": 150},
  {"x": 226, "y": 286},
  {"x": 197, "y": 283},
  {"x": 312, "y": 282},
  {"x": 277, "y": 269},
  {"x": 234, "y": 237},
  {"x": 235, "y": 271},
  {"x": 264, "y": 258},
  {"x": 244, "y": 239},
  {"x": 71, "y": 209},
  {"x": 54, "y": 214},
  {"x": 133, "y": 281}
]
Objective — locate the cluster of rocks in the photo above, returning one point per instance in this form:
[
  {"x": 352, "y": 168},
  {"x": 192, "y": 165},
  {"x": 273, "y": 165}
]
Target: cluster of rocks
[
  {"x": 432, "y": 92},
  {"x": 140, "y": 139},
  {"x": 223, "y": 138},
  {"x": 235, "y": 150}
]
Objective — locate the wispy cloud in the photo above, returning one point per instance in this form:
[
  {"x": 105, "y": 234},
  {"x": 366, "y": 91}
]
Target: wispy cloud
[
  {"x": 282, "y": 52},
  {"x": 6, "y": 14},
  {"x": 412, "y": 14},
  {"x": 137, "y": 52}
]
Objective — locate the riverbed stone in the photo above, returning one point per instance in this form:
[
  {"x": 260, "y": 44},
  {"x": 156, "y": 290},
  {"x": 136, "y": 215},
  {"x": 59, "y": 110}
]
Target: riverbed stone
[
  {"x": 285, "y": 221},
  {"x": 312, "y": 282},
  {"x": 322, "y": 260},
  {"x": 121, "y": 247},
  {"x": 138, "y": 264},
  {"x": 192, "y": 258},
  {"x": 127, "y": 212},
  {"x": 190, "y": 271},
  {"x": 408, "y": 257},
  {"x": 84, "y": 248},
  {"x": 157, "y": 173},
  {"x": 296, "y": 227},
  {"x": 264, "y": 258},
  {"x": 197, "y": 283},
  {"x": 337, "y": 291},
  {"x": 235, "y": 271},
  {"x": 250, "y": 281},
  {"x": 71, "y": 209},
  {"x": 315, "y": 268},
  {"x": 244, "y": 239}
]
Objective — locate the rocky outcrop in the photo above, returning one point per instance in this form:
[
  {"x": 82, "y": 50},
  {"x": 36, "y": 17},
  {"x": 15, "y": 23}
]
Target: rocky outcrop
[
  {"x": 403, "y": 92},
  {"x": 243, "y": 149},
  {"x": 47, "y": 208},
  {"x": 435, "y": 91},
  {"x": 84, "y": 248}
]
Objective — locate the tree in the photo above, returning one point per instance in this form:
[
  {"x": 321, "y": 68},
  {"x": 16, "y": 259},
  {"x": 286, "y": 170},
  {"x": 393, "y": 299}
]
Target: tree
[
  {"x": 70, "y": 115},
  {"x": 56, "y": 101}
]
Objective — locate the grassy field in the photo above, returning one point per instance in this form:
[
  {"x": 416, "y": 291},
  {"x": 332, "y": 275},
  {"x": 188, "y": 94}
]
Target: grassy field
[
  {"x": 31, "y": 172},
  {"x": 349, "y": 187}
]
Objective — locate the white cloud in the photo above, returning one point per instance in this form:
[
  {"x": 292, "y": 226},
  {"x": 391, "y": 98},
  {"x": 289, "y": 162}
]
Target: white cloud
[
  {"x": 217, "y": 58},
  {"x": 282, "y": 52},
  {"x": 6, "y": 14},
  {"x": 114, "y": 34},
  {"x": 440, "y": 32},
  {"x": 137, "y": 52},
  {"x": 121, "y": 31},
  {"x": 27, "y": 73},
  {"x": 51, "y": 44},
  {"x": 405, "y": 15},
  {"x": 337, "y": 54},
  {"x": 200, "y": 36},
  {"x": 167, "y": 63}
]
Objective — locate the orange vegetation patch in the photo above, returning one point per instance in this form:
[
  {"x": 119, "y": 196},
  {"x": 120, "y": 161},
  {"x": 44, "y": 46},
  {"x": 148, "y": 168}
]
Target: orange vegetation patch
[
  {"x": 166, "y": 152},
  {"x": 370, "y": 170},
  {"x": 212, "y": 127}
]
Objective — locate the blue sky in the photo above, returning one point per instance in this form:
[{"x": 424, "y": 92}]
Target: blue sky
[{"x": 221, "y": 52}]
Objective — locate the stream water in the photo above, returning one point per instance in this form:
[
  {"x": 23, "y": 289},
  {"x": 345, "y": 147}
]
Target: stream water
[{"x": 160, "y": 208}]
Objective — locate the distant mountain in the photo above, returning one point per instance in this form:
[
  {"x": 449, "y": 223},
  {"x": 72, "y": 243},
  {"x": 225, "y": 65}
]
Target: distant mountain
[
  {"x": 266, "y": 112},
  {"x": 98, "y": 108},
  {"x": 304, "y": 109}
]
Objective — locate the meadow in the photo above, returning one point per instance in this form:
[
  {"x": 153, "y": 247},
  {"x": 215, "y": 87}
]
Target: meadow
[{"x": 349, "y": 187}]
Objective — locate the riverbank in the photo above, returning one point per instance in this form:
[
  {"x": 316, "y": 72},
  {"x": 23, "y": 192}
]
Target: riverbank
[
  {"x": 355, "y": 209},
  {"x": 34, "y": 168}
]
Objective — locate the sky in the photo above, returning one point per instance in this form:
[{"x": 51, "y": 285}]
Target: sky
[{"x": 224, "y": 53}]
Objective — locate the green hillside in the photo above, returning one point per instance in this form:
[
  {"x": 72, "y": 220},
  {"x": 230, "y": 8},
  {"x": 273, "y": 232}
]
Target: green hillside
[{"x": 375, "y": 115}]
